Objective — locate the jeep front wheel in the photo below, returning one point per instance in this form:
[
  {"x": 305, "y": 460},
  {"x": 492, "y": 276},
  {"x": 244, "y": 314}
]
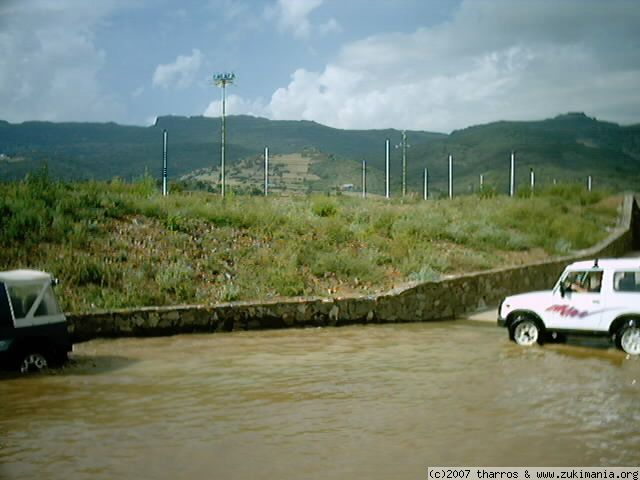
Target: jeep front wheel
[
  {"x": 525, "y": 331},
  {"x": 628, "y": 339},
  {"x": 33, "y": 362}
]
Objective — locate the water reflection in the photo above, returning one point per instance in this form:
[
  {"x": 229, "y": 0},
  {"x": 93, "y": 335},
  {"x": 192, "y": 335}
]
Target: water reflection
[{"x": 352, "y": 402}]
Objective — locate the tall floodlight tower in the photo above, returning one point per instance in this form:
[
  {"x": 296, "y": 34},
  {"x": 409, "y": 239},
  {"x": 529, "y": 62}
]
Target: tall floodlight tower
[
  {"x": 404, "y": 147},
  {"x": 164, "y": 162},
  {"x": 222, "y": 80}
]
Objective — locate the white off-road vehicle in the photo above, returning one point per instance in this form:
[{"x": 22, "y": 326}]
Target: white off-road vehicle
[
  {"x": 599, "y": 297},
  {"x": 33, "y": 329}
]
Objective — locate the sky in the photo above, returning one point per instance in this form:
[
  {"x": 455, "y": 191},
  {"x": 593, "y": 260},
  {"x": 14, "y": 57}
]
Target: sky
[{"x": 435, "y": 65}]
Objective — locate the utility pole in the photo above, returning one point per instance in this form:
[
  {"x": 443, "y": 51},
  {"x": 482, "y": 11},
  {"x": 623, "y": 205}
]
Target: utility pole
[
  {"x": 266, "y": 171},
  {"x": 450, "y": 176},
  {"x": 512, "y": 175},
  {"x": 426, "y": 183},
  {"x": 364, "y": 179},
  {"x": 532, "y": 179},
  {"x": 222, "y": 80},
  {"x": 386, "y": 185}
]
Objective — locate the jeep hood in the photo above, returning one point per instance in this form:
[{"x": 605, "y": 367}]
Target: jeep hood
[{"x": 532, "y": 298}]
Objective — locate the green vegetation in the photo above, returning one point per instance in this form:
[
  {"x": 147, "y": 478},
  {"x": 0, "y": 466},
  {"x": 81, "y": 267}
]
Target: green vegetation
[{"x": 115, "y": 244}]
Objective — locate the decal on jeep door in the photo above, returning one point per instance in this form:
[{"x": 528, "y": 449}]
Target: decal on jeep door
[{"x": 567, "y": 311}]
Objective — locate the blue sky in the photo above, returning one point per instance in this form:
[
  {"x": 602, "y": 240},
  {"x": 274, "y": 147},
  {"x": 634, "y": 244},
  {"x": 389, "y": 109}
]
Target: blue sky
[{"x": 419, "y": 64}]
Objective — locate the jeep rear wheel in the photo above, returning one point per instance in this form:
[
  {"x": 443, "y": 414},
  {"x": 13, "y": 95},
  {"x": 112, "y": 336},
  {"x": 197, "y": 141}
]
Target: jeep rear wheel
[
  {"x": 33, "y": 362},
  {"x": 628, "y": 339},
  {"x": 525, "y": 331}
]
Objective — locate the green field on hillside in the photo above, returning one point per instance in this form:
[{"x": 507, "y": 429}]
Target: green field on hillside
[{"x": 115, "y": 244}]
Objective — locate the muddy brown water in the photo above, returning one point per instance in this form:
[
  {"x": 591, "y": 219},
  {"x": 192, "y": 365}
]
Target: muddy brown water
[{"x": 361, "y": 402}]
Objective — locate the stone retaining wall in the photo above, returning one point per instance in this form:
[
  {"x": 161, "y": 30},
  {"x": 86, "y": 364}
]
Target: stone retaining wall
[{"x": 447, "y": 298}]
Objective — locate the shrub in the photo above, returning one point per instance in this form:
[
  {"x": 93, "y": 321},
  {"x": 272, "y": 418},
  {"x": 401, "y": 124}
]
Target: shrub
[
  {"x": 176, "y": 279},
  {"x": 323, "y": 207},
  {"x": 425, "y": 274}
]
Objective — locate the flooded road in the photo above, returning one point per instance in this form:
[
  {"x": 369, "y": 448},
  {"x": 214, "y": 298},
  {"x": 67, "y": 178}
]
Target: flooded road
[{"x": 374, "y": 402}]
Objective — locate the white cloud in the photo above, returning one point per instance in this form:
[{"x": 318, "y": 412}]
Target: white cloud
[
  {"x": 293, "y": 16},
  {"x": 180, "y": 73},
  {"x": 49, "y": 63},
  {"x": 494, "y": 60}
]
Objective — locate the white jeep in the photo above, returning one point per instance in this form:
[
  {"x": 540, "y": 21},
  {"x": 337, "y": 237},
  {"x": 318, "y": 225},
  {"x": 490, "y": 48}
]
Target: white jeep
[{"x": 598, "y": 297}]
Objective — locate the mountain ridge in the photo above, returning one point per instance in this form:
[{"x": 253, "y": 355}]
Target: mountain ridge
[{"x": 566, "y": 147}]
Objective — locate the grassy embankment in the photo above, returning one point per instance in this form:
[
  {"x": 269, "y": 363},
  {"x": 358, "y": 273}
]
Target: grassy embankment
[{"x": 119, "y": 245}]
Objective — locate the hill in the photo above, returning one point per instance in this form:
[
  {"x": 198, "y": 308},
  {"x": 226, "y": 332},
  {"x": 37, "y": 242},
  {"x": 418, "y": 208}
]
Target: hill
[{"x": 566, "y": 148}]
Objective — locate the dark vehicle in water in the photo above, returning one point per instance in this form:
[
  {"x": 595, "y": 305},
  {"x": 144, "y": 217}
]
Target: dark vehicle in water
[{"x": 33, "y": 328}]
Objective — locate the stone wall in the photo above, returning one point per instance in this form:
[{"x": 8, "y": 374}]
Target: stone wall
[{"x": 447, "y": 298}]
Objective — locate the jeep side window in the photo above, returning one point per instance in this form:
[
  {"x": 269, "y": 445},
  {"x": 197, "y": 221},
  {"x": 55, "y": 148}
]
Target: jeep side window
[
  {"x": 48, "y": 305},
  {"x": 22, "y": 298},
  {"x": 584, "y": 281},
  {"x": 626, "y": 281}
]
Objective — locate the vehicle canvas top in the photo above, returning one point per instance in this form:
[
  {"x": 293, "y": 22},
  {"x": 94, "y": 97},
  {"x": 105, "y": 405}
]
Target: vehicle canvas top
[
  {"x": 27, "y": 299},
  {"x": 23, "y": 276}
]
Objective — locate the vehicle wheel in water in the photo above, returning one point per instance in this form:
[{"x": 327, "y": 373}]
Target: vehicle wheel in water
[
  {"x": 33, "y": 362},
  {"x": 628, "y": 339},
  {"x": 525, "y": 331}
]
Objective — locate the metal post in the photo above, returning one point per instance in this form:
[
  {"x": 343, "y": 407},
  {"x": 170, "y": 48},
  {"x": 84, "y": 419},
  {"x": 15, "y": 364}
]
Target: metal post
[
  {"x": 450, "y": 176},
  {"x": 164, "y": 162},
  {"x": 386, "y": 187},
  {"x": 589, "y": 183},
  {"x": 481, "y": 183},
  {"x": 427, "y": 180},
  {"x": 266, "y": 171},
  {"x": 404, "y": 163},
  {"x": 364, "y": 179},
  {"x": 532, "y": 177},
  {"x": 426, "y": 183},
  {"x": 512, "y": 175}
]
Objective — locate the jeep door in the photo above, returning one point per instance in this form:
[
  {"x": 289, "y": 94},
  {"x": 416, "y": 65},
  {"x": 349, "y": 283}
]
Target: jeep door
[{"x": 579, "y": 309}]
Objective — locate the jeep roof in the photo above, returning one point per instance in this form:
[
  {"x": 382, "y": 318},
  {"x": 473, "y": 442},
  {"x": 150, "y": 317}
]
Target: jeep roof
[{"x": 633, "y": 263}]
